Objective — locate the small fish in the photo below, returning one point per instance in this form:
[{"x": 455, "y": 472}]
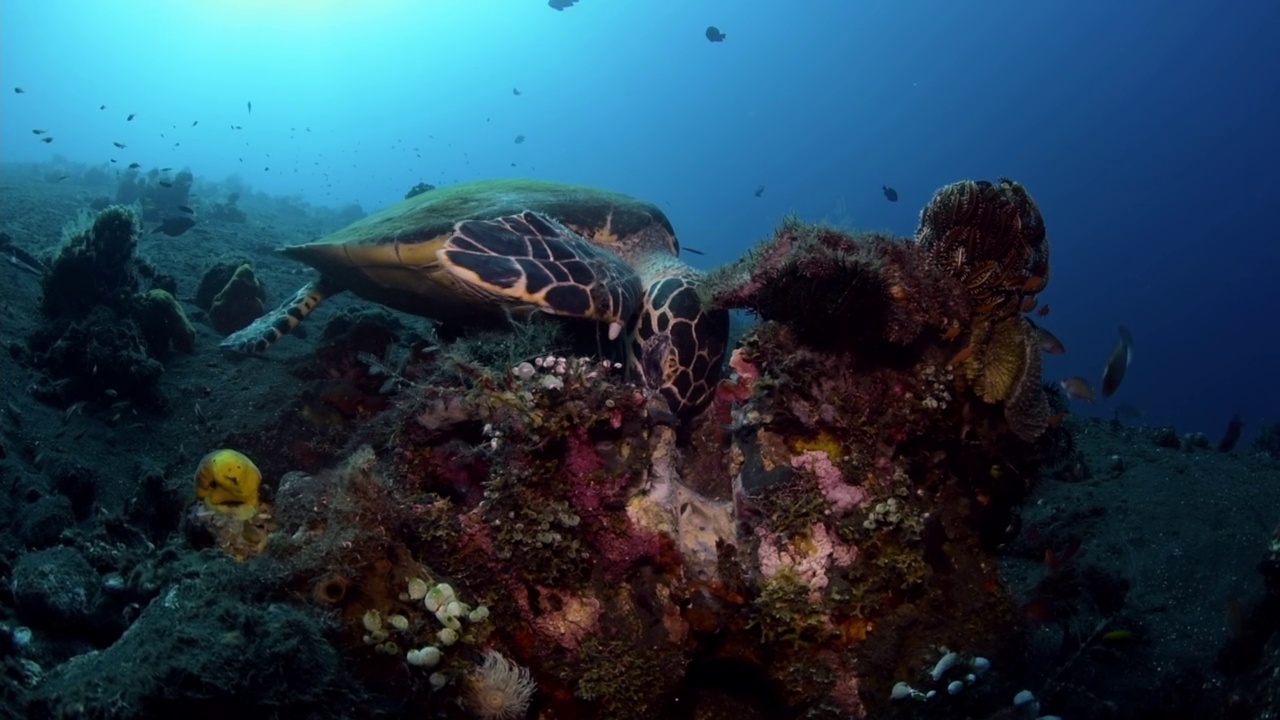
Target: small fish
[
  {"x": 1028, "y": 304},
  {"x": 250, "y": 106},
  {"x": 174, "y": 226},
  {"x": 560, "y": 4},
  {"x": 714, "y": 35},
  {"x": 165, "y": 169},
  {"x": 46, "y": 139},
  {"x": 1048, "y": 341},
  {"x": 695, "y": 251},
  {"x": 1232, "y": 435},
  {"x": 1044, "y": 310},
  {"x": 164, "y": 183},
  {"x": 19, "y": 90},
  {"x": 186, "y": 210},
  {"x": 759, "y": 191},
  {"x": 890, "y": 193},
  {"x": 519, "y": 139},
  {"x": 60, "y": 178},
  {"x": 102, "y": 107},
  {"x": 516, "y": 91},
  {"x": 131, "y": 116},
  {"x": 1078, "y": 388},
  {"x": 1118, "y": 363},
  {"x": 113, "y": 160},
  {"x": 195, "y": 123},
  {"x": 134, "y": 166},
  {"x": 119, "y": 145},
  {"x": 39, "y": 132}
]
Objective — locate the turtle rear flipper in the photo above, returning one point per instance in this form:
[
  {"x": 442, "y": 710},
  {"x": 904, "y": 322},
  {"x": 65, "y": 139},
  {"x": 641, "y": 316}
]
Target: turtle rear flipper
[
  {"x": 266, "y": 330},
  {"x": 529, "y": 259}
]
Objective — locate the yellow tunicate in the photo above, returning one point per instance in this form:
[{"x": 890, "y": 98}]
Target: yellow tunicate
[{"x": 228, "y": 482}]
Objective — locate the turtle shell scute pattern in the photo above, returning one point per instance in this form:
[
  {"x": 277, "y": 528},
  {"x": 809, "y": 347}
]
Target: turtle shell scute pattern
[
  {"x": 678, "y": 345},
  {"x": 530, "y": 258}
]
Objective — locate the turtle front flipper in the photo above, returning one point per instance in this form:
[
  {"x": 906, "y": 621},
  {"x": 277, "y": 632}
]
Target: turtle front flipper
[
  {"x": 531, "y": 260},
  {"x": 266, "y": 330}
]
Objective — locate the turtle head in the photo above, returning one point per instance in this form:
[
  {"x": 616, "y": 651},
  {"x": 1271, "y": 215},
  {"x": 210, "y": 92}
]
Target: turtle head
[{"x": 677, "y": 346}]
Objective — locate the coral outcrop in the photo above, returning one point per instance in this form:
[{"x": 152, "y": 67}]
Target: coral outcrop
[
  {"x": 109, "y": 317},
  {"x": 816, "y": 542}
]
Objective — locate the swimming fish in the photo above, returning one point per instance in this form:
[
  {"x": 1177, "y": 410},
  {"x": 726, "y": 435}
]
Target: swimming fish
[
  {"x": 39, "y": 132},
  {"x": 186, "y": 210},
  {"x": 119, "y": 145},
  {"x": 890, "y": 193},
  {"x": 1048, "y": 341},
  {"x": 174, "y": 226},
  {"x": 195, "y": 123},
  {"x": 1044, "y": 310},
  {"x": 102, "y": 107},
  {"x": 19, "y": 90},
  {"x": 131, "y": 116},
  {"x": 760, "y": 191},
  {"x": 46, "y": 139},
  {"x": 714, "y": 35},
  {"x": 164, "y": 183},
  {"x": 250, "y": 106},
  {"x": 695, "y": 251},
  {"x": 560, "y": 4},
  {"x": 1118, "y": 363},
  {"x": 515, "y": 91},
  {"x": 1078, "y": 388},
  {"x": 134, "y": 166},
  {"x": 519, "y": 139}
]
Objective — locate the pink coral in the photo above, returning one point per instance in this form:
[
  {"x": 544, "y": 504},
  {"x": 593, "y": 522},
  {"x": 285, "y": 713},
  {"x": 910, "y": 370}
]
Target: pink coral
[
  {"x": 808, "y": 556},
  {"x": 842, "y": 496}
]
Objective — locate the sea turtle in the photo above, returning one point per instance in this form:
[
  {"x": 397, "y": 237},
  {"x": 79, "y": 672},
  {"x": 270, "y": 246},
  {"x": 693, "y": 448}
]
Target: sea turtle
[{"x": 479, "y": 254}]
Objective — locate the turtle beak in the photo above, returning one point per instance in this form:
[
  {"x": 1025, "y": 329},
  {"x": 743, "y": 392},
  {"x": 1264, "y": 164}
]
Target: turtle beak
[{"x": 615, "y": 329}]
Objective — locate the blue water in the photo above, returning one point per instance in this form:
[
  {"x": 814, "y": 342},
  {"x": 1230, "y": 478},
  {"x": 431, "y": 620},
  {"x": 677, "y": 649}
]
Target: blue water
[{"x": 1146, "y": 130}]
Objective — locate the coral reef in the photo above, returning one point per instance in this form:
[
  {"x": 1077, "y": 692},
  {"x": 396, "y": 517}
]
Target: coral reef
[
  {"x": 826, "y": 532},
  {"x": 109, "y": 316},
  {"x": 419, "y": 189},
  {"x": 158, "y": 193},
  {"x": 232, "y": 295}
]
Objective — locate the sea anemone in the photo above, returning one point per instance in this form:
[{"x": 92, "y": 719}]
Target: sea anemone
[{"x": 498, "y": 689}]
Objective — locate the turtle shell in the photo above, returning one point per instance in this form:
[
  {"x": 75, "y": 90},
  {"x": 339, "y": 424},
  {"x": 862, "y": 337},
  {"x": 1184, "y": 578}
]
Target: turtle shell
[{"x": 459, "y": 254}]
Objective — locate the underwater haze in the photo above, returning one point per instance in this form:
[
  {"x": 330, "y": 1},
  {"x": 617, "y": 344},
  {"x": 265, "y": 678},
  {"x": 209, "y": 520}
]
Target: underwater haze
[{"x": 1145, "y": 130}]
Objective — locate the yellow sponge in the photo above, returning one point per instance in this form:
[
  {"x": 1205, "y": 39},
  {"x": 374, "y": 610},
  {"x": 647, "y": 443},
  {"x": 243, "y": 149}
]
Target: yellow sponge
[{"x": 228, "y": 482}]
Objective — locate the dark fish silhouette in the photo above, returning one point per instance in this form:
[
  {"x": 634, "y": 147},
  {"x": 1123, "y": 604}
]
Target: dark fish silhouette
[
  {"x": 46, "y": 139},
  {"x": 890, "y": 193},
  {"x": 250, "y": 106},
  {"x": 1048, "y": 341},
  {"x": 174, "y": 226},
  {"x": 186, "y": 210},
  {"x": 1232, "y": 436},
  {"x": 195, "y": 123},
  {"x": 164, "y": 183},
  {"x": 134, "y": 166},
  {"x": 165, "y": 169},
  {"x": 760, "y": 191},
  {"x": 119, "y": 145},
  {"x": 19, "y": 90},
  {"x": 1118, "y": 363},
  {"x": 131, "y": 116},
  {"x": 39, "y": 132},
  {"x": 560, "y": 4},
  {"x": 695, "y": 251},
  {"x": 102, "y": 107},
  {"x": 714, "y": 35},
  {"x": 519, "y": 139},
  {"x": 516, "y": 91}
]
